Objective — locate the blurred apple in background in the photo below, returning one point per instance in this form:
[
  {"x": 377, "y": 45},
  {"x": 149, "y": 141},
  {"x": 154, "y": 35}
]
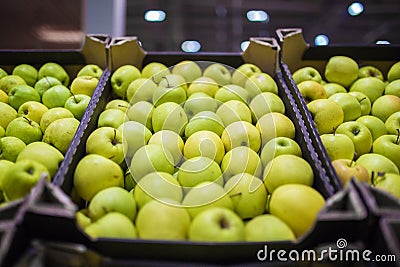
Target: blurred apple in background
[{"x": 370, "y": 71}]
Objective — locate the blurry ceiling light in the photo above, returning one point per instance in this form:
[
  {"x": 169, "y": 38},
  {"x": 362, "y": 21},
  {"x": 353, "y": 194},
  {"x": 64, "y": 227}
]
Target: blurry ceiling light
[
  {"x": 155, "y": 15},
  {"x": 190, "y": 46},
  {"x": 257, "y": 15},
  {"x": 321, "y": 40},
  {"x": 382, "y": 42},
  {"x": 244, "y": 45},
  {"x": 355, "y": 9}
]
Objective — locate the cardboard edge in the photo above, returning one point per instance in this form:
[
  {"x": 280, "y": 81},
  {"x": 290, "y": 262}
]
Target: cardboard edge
[{"x": 125, "y": 51}]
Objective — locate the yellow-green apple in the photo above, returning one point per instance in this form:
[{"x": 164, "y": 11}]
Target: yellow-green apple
[
  {"x": 370, "y": 71},
  {"x": 241, "y": 159},
  {"x": 53, "y": 114},
  {"x": 33, "y": 110},
  {"x": 2, "y": 132},
  {"x": 346, "y": 169},
  {"x": 377, "y": 163},
  {"x": 9, "y": 81},
  {"x": 275, "y": 124},
  {"x": 217, "y": 224},
  {"x": 108, "y": 142},
  {"x": 3, "y": 73},
  {"x": 327, "y": 115},
  {"x": 56, "y": 96},
  {"x": 204, "y": 120},
  {"x": 188, "y": 69},
  {"x": 392, "y": 123},
  {"x": 198, "y": 102},
  {"x": 160, "y": 221},
  {"x": 108, "y": 173},
  {"x": 342, "y": 70},
  {"x": 10, "y": 147},
  {"x": 241, "y": 133},
  {"x": 371, "y": 86},
  {"x": 350, "y": 105},
  {"x": 393, "y": 88},
  {"x": 279, "y": 146},
  {"x": 27, "y": 72},
  {"x": 169, "y": 92},
  {"x": 260, "y": 82},
  {"x": 160, "y": 186},
  {"x": 46, "y": 83},
  {"x": 155, "y": 71},
  {"x": 77, "y": 104},
  {"x": 82, "y": 218},
  {"x": 248, "y": 194},
  {"x": 47, "y": 155},
  {"x": 375, "y": 125},
  {"x": 307, "y": 74},
  {"x": 84, "y": 85},
  {"x": 112, "y": 225},
  {"x": 266, "y": 228},
  {"x": 204, "y": 196},
  {"x": 134, "y": 135},
  {"x": 142, "y": 112},
  {"x": 4, "y": 166},
  {"x": 388, "y": 145},
  {"x": 384, "y": 106},
  {"x": 25, "y": 129},
  {"x": 171, "y": 141},
  {"x": 22, "y": 177},
  {"x": 204, "y": 143},
  {"x": 232, "y": 92},
  {"x": 53, "y": 69},
  {"x": 122, "y": 77},
  {"x": 203, "y": 84},
  {"x": 364, "y": 101},
  {"x": 112, "y": 199},
  {"x": 333, "y": 88},
  {"x": 264, "y": 103},
  {"x": 359, "y": 134},
  {"x": 311, "y": 90},
  {"x": 394, "y": 72},
  {"x": 92, "y": 70},
  {"x": 111, "y": 118},
  {"x": 243, "y": 73},
  {"x": 20, "y": 94},
  {"x": 388, "y": 182},
  {"x": 121, "y": 104},
  {"x": 169, "y": 116},
  {"x": 8, "y": 113},
  {"x": 303, "y": 214},
  {"x": 234, "y": 110},
  {"x": 3, "y": 97},
  {"x": 60, "y": 133},
  {"x": 141, "y": 89},
  {"x": 220, "y": 73}
]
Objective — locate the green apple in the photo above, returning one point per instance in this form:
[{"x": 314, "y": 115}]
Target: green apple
[
  {"x": 112, "y": 199},
  {"x": 82, "y": 218},
  {"x": 141, "y": 89},
  {"x": 161, "y": 186},
  {"x": 327, "y": 115},
  {"x": 333, "y": 88},
  {"x": 160, "y": 221},
  {"x": 234, "y": 110},
  {"x": 169, "y": 93},
  {"x": 204, "y": 143},
  {"x": 8, "y": 114},
  {"x": 364, "y": 101},
  {"x": 217, "y": 224},
  {"x": 107, "y": 142},
  {"x": 392, "y": 123},
  {"x": 279, "y": 146},
  {"x": 248, "y": 194},
  {"x": 198, "y": 102},
  {"x": 77, "y": 104},
  {"x": 47, "y": 155},
  {"x": 307, "y": 74},
  {"x": 9, "y": 81},
  {"x": 120, "y": 104},
  {"x": 389, "y": 146},
  {"x": 394, "y": 72},
  {"x": 220, "y": 73},
  {"x": 169, "y": 116},
  {"x": 370, "y": 71},
  {"x": 241, "y": 133},
  {"x": 84, "y": 85},
  {"x": 142, "y": 112},
  {"x": 150, "y": 158},
  {"x": 122, "y": 77},
  {"x": 22, "y": 177},
  {"x": 55, "y": 70},
  {"x": 205, "y": 196},
  {"x": 25, "y": 129},
  {"x": 388, "y": 182},
  {"x": 129, "y": 182},
  {"x": 194, "y": 171},
  {"x": 359, "y": 134},
  {"x": 276, "y": 172},
  {"x": 92, "y": 70},
  {"x": 393, "y": 88},
  {"x": 243, "y": 73},
  {"x": 134, "y": 135},
  {"x": 275, "y": 124},
  {"x": 375, "y": 162},
  {"x": 20, "y": 94},
  {"x": 346, "y": 169},
  {"x": 3, "y": 97},
  {"x": 53, "y": 114},
  {"x": 4, "y": 167},
  {"x": 384, "y": 106},
  {"x": 264, "y": 103},
  {"x": 112, "y": 225},
  {"x": 204, "y": 120},
  {"x": 350, "y": 105},
  {"x": 10, "y": 147},
  {"x": 372, "y": 87},
  {"x": 3, "y": 73},
  {"x": 266, "y": 228},
  {"x": 111, "y": 118},
  {"x": 56, "y": 96},
  {"x": 260, "y": 82},
  {"x": 188, "y": 69},
  {"x": 342, "y": 70},
  {"x": 232, "y": 92},
  {"x": 204, "y": 85},
  {"x": 32, "y": 110},
  {"x": 2, "y": 132},
  {"x": 311, "y": 90},
  {"x": 60, "y": 133},
  {"x": 155, "y": 71},
  {"x": 27, "y": 72},
  {"x": 45, "y": 83},
  {"x": 338, "y": 146},
  {"x": 241, "y": 159},
  {"x": 173, "y": 80},
  {"x": 171, "y": 141},
  {"x": 375, "y": 125},
  {"x": 303, "y": 214},
  {"x": 108, "y": 173}
]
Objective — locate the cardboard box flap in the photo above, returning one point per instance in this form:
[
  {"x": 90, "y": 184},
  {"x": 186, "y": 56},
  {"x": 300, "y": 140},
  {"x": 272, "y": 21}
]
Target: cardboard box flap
[
  {"x": 118, "y": 55},
  {"x": 94, "y": 49},
  {"x": 268, "y": 48}
]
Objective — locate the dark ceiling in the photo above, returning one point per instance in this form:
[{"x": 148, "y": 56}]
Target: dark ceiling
[{"x": 221, "y": 25}]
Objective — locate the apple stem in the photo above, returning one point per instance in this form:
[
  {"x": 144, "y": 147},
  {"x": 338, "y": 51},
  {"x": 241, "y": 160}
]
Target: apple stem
[
  {"x": 153, "y": 79},
  {"x": 166, "y": 80},
  {"x": 353, "y": 159},
  {"x": 373, "y": 177},
  {"x": 122, "y": 106},
  {"x": 47, "y": 80},
  {"x": 398, "y": 136},
  {"x": 76, "y": 101},
  {"x": 362, "y": 99},
  {"x": 334, "y": 130},
  {"x": 26, "y": 118},
  {"x": 115, "y": 137},
  {"x": 236, "y": 194}
]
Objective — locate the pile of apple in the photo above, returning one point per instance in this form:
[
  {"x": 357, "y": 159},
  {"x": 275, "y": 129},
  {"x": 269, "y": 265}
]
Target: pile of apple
[
  {"x": 40, "y": 112},
  {"x": 198, "y": 151},
  {"x": 356, "y": 110}
]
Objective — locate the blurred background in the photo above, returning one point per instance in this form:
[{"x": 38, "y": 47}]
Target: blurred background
[{"x": 192, "y": 26}]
